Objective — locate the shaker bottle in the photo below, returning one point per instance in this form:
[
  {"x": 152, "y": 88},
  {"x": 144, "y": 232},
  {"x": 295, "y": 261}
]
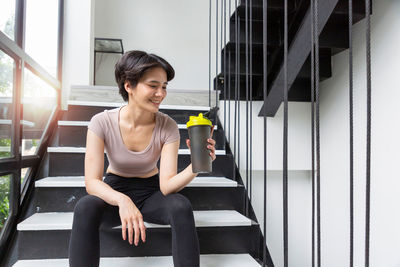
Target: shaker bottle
[{"x": 199, "y": 128}]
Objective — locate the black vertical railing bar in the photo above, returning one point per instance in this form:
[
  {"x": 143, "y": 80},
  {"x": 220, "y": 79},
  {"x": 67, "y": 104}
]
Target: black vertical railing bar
[
  {"x": 209, "y": 54},
  {"x": 229, "y": 98},
  {"x": 351, "y": 132},
  {"x": 216, "y": 56},
  {"x": 368, "y": 163},
  {"x": 229, "y": 80},
  {"x": 225, "y": 66},
  {"x": 316, "y": 40},
  {"x": 221, "y": 58},
  {"x": 312, "y": 4},
  {"x": 285, "y": 143},
  {"x": 236, "y": 87},
  {"x": 251, "y": 98},
  {"x": 238, "y": 96},
  {"x": 265, "y": 77},
  {"x": 247, "y": 106}
]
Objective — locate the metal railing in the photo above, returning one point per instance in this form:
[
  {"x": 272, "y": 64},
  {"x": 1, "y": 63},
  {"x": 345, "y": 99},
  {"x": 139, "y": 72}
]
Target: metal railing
[{"x": 314, "y": 7}]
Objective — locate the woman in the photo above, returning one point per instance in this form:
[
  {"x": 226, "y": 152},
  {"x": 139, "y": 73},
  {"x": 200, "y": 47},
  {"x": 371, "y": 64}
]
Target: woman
[{"x": 135, "y": 136}]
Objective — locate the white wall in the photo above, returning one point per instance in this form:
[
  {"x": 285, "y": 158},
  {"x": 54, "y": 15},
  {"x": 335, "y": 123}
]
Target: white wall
[
  {"x": 385, "y": 188},
  {"x": 176, "y": 30},
  {"x": 78, "y": 45},
  {"x": 299, "y": 135}
]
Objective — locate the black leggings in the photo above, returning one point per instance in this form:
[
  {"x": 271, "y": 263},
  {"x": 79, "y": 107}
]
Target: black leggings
[{"x": 173, "y": 209}]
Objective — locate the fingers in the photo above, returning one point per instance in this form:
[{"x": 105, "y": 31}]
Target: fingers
[
  {"x": 188, "y": 143},
  {"x": 130, "y": 232},
  {"x": 137, "y": 232},
  {"x": 211, "y": 147},
  {"x": 123, "y": 230},
  {"x": 142, "y": 230}
]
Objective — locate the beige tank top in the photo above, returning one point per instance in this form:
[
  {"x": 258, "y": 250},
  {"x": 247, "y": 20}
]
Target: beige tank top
[{"x": 127, "y": 162}]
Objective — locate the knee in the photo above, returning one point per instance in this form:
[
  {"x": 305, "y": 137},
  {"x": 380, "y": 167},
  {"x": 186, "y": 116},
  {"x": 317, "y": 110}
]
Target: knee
[
  {"x": 179, "y": 205},
  {"x": 90, "y": 207}
]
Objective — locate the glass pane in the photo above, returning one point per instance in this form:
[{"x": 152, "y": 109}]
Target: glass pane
[
  {"x": 6, "y": 95},
  {"x": 24, "y": 173},
  {"x": 41, "y": 32},
  {"x": 5, "y": 182},
  {"x": 39, "y": 99},
  {"x": 7, "y": 17}
]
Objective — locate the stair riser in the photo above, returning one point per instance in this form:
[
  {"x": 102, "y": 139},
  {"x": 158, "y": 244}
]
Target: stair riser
[
  {"x": 256, "y": 89},
  {"x": 274, "y": 36},
  {"x": 54, "y": 199},
  {"x": 85, "y": 113},
  {"x": 305, "y": 72},
  {"x": 257, "y": 66},
  {"x": 213, "y": 240},
  {"x": 72, "y": 164},
  {"x": 277, "y": 9},
  {"x": 76, "y": 136}
]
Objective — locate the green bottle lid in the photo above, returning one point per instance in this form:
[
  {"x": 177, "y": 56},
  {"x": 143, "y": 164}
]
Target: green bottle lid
[{"x": 198, "y": 120}]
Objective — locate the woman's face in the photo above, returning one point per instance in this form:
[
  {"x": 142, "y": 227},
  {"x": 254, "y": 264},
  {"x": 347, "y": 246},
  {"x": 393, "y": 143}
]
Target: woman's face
[{"x": 150, "y": 90}]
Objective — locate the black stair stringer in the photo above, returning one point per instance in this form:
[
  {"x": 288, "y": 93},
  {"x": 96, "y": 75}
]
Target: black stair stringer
[
  {"x": 251, "y": 214},
  {"x": 298, "y": 52}
]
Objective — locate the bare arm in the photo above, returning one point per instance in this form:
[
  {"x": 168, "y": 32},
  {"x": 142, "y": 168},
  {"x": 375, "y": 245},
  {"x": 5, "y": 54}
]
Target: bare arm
[
  {"x": 170, "y": 180},
  {"x": 94, "y": 166},
  {"x": 131, "y": 218}
]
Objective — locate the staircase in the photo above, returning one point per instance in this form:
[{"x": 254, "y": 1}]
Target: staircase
[
  {"x": 333, "y": 24},
  {"x": 227, "y": 236}
]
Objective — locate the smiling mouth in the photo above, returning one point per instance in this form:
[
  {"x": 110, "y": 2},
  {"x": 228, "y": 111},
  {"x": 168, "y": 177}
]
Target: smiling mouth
[{"x": 157, "y": 103}]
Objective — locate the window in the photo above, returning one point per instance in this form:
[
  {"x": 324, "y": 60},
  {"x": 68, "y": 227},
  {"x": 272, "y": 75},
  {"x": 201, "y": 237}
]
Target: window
[
  {"x": 6, "y": 97},
  {"x": 41, "y": 33},
  {"x": 7, "y": 17},
  {"x": 39, "y": 100},
  {"x": 5, "y": 181}
]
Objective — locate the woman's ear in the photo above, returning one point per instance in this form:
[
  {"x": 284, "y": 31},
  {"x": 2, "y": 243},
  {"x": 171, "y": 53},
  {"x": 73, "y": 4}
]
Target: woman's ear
[{"x": 127, "y": 86}]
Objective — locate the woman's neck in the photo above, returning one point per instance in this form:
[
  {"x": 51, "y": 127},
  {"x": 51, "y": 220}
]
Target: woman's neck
[{"x": 137, "y": 117}]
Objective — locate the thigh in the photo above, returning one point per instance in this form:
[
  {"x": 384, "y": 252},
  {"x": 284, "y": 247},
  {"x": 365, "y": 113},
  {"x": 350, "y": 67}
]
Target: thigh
[{"x": 159, "y": 208}]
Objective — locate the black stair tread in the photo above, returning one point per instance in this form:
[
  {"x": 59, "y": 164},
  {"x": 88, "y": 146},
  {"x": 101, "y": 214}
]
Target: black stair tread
[
  {"x": 60, "y": 194},
  {"x": 213, "y": 240},
  {"x": 76, "y": 136},
  {"x": 71, "y": 164},
  {"x": 278, "y": 9},
  {"x": 274, "y": 32}
]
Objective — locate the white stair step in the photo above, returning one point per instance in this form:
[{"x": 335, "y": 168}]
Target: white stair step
[
  {"x": 66, "y": 149},
  {"x": 86, "y": 123},
  {"x": 219, "y": 260},
  {"x": 114, "y": 104},
  {"x": 63, "y": 220},
  {"x": 79, "y": 181}
]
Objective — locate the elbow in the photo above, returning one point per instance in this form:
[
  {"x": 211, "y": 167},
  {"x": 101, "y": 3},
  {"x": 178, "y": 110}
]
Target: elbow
[
  {"x": 88, "y": 187},
  {"x": 164, "y": 191}
]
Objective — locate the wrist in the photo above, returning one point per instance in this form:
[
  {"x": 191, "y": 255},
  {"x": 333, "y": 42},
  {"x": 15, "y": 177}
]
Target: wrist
[{"x": 121, "y": 198}]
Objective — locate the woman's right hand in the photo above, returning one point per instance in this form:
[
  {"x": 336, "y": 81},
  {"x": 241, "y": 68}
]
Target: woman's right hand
[{"x": 132, "y": 220}]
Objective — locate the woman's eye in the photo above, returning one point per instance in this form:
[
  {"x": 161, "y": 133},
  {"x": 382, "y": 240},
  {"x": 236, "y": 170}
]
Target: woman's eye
[
  {"x": 153, "y": 86},
  {"x": 165, "y": 88}
]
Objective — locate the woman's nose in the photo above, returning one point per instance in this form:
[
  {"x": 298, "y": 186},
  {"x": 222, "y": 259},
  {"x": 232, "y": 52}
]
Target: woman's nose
[{"x": 160, "y": 92}]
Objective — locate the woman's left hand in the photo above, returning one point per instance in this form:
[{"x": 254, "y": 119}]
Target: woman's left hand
[{"x": 211, "y": 145}]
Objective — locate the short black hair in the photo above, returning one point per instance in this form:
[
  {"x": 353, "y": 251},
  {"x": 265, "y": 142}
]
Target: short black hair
[{"x": 132, "y": 66}]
